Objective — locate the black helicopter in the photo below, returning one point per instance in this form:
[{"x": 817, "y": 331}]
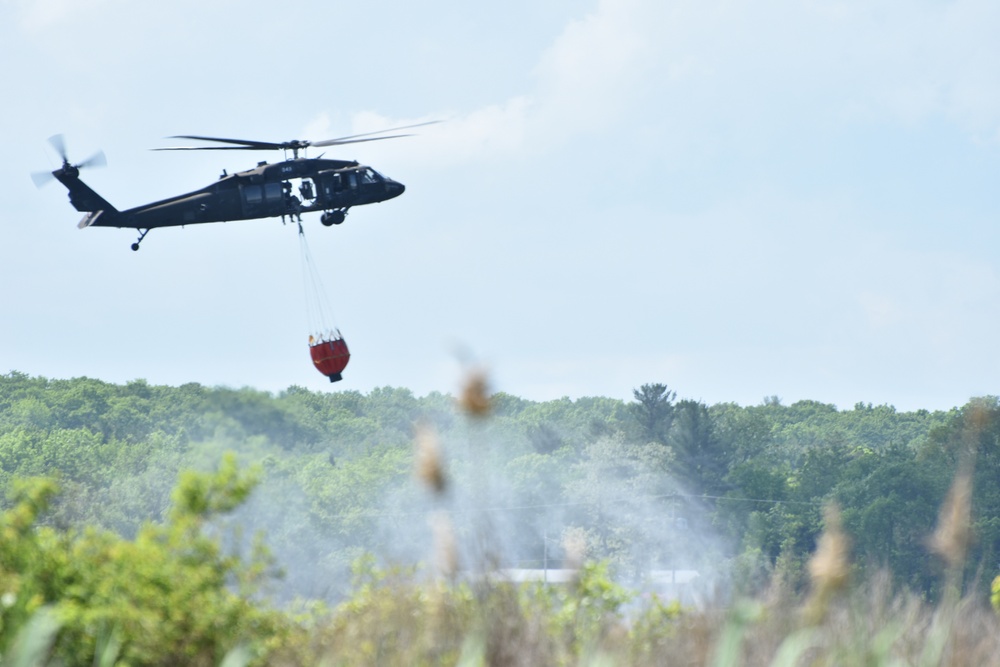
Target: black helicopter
[{"x": 331, "y": 186}]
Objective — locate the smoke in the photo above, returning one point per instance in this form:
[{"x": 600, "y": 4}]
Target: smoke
[{"x": 480, "y": 492}]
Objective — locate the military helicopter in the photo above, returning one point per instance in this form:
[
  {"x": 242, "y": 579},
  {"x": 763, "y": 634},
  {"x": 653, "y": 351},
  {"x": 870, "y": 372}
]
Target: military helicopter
[{"x": 330, "y": 186}]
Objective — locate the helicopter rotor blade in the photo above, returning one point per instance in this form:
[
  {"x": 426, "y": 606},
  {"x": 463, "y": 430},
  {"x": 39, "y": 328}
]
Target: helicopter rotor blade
[
  {"x": 243, "y": 144},
  {"x": 96, "y": 160},
  {"x": 41, "y": 178},
  {"x": 294, "y": 145},
  {"x": 59, "y": 143},
  {"x": 368, "y": 134},
  {"x": 345, "y": 140},
  {"x": 211, "y": 148}
]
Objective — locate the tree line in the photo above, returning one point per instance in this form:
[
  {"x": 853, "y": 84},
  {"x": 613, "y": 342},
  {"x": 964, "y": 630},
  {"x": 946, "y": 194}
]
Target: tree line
[{"x": 651, "y": 483}]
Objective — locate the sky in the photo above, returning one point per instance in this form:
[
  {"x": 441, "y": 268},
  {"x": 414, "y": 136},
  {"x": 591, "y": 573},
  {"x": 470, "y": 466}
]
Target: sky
[{"x": 738, "y": 199}]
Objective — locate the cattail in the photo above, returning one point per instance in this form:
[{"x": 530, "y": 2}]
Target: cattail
[
  {"x": 952, "y": 536},
  {"x": 427, "y": 462},
  {"x": 445, "y": 548},
  {"x": 978, "y": 417},
  {"x": 574, "y": 546},
  {"x": 829, "y": 568},
  {"x": 474, "y": 398}
]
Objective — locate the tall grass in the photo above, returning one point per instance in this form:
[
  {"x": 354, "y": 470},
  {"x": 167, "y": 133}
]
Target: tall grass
[
  {"x": 401, "y": 618},
  {"x": 404, "y": 617}
]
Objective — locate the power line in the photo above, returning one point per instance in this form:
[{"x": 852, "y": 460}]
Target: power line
[{"x": 616, "y": 501}]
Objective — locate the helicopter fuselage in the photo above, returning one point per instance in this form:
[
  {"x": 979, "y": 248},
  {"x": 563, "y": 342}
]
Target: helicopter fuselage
[
  {"x": 263, "y": 192},
  {"x": 266, "y": 191}
]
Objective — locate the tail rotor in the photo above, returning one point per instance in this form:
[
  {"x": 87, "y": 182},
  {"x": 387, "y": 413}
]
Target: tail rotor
[{"x": 59, "y": 144}]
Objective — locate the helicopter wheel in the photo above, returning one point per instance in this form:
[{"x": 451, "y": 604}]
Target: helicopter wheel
[
  {"x": 332, "y": 218},
  {"x": 142, "y": 235}
]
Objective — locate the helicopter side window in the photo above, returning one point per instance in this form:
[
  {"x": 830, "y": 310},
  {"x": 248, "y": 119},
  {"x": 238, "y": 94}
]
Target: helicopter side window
[
  {"x": 368, "y": 176},
  {"x": 253, "y": 194},
  {"x": 352, "y": 180},
  {"x": 272, "y": 191}
]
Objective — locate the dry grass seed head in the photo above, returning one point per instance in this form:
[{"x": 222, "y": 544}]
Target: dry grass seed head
[
  {"x": 953, "y": 533},
  {"x": 829, "y": 567},
  {"x": 474, "y": 398},
  {"x": 428, "y": 463},
  {"x": 445, "y": 547}
]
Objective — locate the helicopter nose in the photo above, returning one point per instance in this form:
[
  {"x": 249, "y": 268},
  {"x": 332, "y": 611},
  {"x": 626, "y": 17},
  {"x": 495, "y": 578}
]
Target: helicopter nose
[{"x": 394, "y": 188}]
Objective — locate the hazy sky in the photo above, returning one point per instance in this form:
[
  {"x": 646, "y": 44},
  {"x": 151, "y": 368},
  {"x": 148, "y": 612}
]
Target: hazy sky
[{"x": 739, "y": 199}]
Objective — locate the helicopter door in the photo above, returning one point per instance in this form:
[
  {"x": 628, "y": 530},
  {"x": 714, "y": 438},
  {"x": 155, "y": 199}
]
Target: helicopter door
[
  {"x": 349, "y": 190},
  {"x": 262, "y": 200}
]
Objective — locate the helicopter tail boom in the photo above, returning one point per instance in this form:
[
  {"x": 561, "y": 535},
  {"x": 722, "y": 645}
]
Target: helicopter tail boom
[{"x": 81, "y": 196}]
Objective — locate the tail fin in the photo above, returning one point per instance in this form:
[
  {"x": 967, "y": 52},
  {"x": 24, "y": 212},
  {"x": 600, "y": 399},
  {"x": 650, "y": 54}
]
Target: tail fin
[{"x": 80, "y": 195}]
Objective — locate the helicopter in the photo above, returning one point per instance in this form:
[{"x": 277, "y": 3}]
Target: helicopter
[{"x": 330, "y": 186}]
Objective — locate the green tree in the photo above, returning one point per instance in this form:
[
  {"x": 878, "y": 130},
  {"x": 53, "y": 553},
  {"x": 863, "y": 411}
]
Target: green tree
[
  {"x": 653, "y": 411},
  {"x": 701, "y": 458},
  {"x": 890, "y": 504}
]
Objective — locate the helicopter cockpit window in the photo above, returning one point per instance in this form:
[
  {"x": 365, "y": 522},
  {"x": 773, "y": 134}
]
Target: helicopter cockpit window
[{"x": 369, "y": 176}]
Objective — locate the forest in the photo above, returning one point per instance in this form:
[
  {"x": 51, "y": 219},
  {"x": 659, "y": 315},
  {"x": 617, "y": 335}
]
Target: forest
[{"x": 307, "y": 502}]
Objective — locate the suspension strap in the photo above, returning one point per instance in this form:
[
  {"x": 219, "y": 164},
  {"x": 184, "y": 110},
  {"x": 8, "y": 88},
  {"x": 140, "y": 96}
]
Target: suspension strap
[{"x": 318, "y": 313}]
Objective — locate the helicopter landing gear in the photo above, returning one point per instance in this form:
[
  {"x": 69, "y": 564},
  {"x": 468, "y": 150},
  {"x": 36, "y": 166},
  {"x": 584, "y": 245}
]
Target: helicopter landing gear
[
  {"x": 333, "y": 217},
  {"x": 142, "y": 235}
]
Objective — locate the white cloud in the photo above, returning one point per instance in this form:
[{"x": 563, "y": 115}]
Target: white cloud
[
  {"x": 694, "y": 74},
  {"x": 36, "y": 15},
  {"x": 496, "y": 130},
  {"x": 596, "y": 67}
]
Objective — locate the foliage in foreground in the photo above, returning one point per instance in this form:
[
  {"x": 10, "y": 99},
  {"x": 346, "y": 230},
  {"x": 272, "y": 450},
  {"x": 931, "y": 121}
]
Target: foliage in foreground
[
  {"x": 401, "y": 622},
  {"x": 397, "y": 618},
  {"x": 173, "y": 596},
  {"x": 170, "y": 596},
  {"x": 336, "y": 464},
  {"x": 392, "y": 619}
]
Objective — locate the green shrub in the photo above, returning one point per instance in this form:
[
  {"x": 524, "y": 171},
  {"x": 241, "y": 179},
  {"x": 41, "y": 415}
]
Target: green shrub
[{"x": 170, "y": 596}]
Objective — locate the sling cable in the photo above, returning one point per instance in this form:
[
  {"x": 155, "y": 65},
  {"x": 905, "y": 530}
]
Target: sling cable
[{"x": 327, "y": 346}]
